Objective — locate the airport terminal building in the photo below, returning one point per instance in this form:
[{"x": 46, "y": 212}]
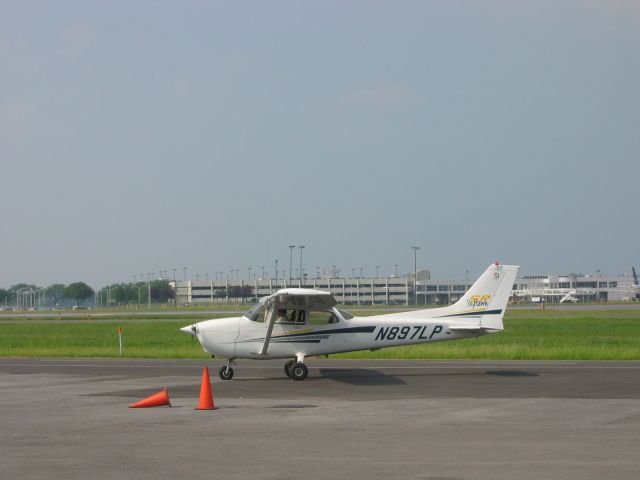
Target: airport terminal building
[{"x": 404, "y": 291}]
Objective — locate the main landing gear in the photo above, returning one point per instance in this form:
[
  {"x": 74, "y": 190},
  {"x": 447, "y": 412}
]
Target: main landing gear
[{"x": 296, "y": 369}]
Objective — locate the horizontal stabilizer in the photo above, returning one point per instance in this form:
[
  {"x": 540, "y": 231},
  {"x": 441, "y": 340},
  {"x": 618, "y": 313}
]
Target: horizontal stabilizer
[{"x": 472, "y": 328}]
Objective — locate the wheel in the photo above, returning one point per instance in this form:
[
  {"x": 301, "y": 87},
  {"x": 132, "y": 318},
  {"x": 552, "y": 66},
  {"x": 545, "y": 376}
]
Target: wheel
[
  {"x": 225, "y": 373},
  {"x": 287, "y": 367},
  {"x": 299, "y": 371}
]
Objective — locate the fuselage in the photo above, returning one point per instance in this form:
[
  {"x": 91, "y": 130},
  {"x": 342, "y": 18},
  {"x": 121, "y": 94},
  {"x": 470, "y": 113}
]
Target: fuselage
[
  {"x": 240, "y": 337},
  {"x": 298, "y": 323}
]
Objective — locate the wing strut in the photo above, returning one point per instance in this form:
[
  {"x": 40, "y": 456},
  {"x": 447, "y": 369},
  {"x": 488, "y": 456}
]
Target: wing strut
[{"x": 271, "y": 319}]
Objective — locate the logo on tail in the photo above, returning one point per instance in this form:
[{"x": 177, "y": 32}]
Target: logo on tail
[{"x": 478, "y": 301}]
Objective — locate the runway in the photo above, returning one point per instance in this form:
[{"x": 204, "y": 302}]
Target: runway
[
  {"x": 361, "y": 380},
  {"x": 68, "y": 418}
]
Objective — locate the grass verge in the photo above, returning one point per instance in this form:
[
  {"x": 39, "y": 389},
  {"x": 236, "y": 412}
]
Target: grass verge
[{"x": 528, "y": 335}]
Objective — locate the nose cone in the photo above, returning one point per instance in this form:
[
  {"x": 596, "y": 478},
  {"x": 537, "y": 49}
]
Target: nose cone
[{"x": 190, "y": 329}]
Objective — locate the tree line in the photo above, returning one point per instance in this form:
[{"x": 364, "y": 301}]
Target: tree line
[
  {"x": 133, "y": 293},
  {"x": 53, "y": 295},
  {"x": 59, "y": 294}
]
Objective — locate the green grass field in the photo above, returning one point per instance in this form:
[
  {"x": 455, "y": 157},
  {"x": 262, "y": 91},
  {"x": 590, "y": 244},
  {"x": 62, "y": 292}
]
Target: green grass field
[{"x": 528, "y": 335}]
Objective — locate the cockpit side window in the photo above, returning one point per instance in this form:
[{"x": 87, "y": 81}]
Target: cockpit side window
[{"x": 294, "y": 316}]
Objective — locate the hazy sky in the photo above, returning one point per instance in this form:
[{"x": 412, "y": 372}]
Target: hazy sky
[{"x": 140, "y": 136}]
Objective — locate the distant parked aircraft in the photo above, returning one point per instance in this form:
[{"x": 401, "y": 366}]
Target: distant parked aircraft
[{"x": 570, "y": 297}]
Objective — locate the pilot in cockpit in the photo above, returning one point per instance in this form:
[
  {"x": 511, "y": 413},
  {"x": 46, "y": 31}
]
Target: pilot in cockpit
[{"x": 282, "y": 316}]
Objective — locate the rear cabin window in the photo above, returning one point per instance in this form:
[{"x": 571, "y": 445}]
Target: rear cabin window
[{"x": 323, "y": 318}]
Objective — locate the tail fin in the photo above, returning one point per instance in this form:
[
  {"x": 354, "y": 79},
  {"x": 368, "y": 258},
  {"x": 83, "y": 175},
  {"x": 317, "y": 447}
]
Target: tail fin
[
  {"x": 635, "y": 277},
  {"x": 488, "y": 296}
]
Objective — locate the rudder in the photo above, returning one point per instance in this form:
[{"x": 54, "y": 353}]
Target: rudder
[{"x": 489, "y": 295}]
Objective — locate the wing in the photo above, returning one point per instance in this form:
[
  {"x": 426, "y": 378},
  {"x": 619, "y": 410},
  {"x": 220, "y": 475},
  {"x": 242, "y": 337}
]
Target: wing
[{"x": 294, "y": 298}]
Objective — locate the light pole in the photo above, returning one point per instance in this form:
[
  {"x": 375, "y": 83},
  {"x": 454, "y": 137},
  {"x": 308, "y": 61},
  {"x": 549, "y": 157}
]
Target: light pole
[
  {"x": 148, "y": 290},
  {"x": 184, "y": 270},
  {"x": 396, "y": 265},
  {"x": 262, "y": 278},
  {"x": 415, "y": 271},
  {"x": 353, "y": 272},
  {"x": 301, "y": 247},
  {"x": 276, "y": 273},
  {"x": 318, "y": 272},
  {"x": 360, "y": 272},
  {"x": 249, "y": 273},
  {"x": 291, "y": 247},
  {"x": 377, "y": 270}
]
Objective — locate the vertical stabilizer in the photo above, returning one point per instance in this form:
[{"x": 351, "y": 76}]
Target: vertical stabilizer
[{"x": 488, "y": 296}]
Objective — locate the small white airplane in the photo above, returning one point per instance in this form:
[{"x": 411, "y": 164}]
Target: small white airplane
[
  {"x": 570, "y": 297},
  {"x": 298, "y": 323}
]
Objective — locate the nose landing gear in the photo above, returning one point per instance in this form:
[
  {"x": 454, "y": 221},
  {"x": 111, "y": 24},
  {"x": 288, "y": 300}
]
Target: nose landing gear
[{"x": 226, "y": 372}]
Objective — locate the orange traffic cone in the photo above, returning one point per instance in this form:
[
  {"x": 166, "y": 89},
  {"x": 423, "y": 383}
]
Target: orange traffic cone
[
  {"x": 156, "y": 400},
  {"x": 206, "y": 395}
]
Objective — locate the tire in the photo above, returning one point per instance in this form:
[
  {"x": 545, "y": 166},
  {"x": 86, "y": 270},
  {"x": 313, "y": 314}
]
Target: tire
[
  {"x": 299, "y": 371},
  {"x": 287, "y": 367},
  {"x": 225, "y": 373}
]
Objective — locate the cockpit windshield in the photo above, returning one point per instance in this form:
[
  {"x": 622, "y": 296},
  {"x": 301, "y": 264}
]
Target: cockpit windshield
[{"x": 255, "y": 314}]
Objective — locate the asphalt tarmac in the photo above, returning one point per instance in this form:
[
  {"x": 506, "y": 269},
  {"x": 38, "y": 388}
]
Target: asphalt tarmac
[{"x": 68, "y": 418}]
